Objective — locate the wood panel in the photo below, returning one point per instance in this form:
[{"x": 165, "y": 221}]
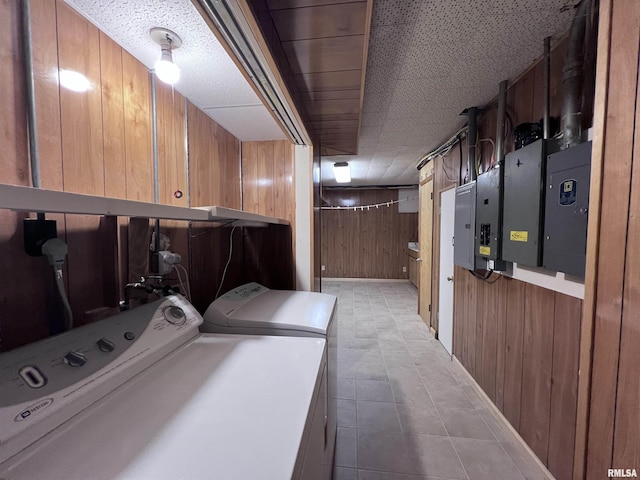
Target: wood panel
[
  {"x": 321, "y": 21},
  {"x": 626, "y": 447},
  {"x": 138, "y": 138},
  {"x": 369, "y": 243},
  {"x": 214, "y": 163},
  {"x": 501, "y": 339},
  {"x": 614, "y": 205},
  {"x": 172, "y": 162},
  {"x": 113, "y": 120},
  {"x": 564, "y": 381},
  {"x": 267, "y": 179},
  {"x": 537, "y": 369},
  {"x": 612, "y": 279},
  {"x": 45, "y": 61},
  {"x": 320, "y": 47},
  {"x": 80, "y": 112},
  {"x": 514, "y": 344},
  {"x": 493, "y": 314}
]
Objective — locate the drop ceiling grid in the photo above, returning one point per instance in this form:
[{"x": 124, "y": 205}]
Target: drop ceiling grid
[
  {"x": 209, "y": 78},
  {"x": 428, "y": 60}
]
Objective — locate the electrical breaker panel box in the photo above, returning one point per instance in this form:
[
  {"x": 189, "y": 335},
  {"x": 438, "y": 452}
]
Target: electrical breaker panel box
[
  {"x": 489, "y": 214},
  {"x": 464, "y": 226},
  {"x": 567, "y": 204},
  {"x": 524, "y": 180}
]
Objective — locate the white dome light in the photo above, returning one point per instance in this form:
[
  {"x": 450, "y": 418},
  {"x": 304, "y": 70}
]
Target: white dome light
[{"x": 165, "y": 69}]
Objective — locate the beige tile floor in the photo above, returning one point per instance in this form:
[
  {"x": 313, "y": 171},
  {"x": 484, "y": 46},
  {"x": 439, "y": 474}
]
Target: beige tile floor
[{"x": 405, "y": 410}]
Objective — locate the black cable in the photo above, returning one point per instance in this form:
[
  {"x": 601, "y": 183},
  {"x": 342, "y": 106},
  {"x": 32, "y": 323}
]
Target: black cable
[{"x": 486, "y": 277}]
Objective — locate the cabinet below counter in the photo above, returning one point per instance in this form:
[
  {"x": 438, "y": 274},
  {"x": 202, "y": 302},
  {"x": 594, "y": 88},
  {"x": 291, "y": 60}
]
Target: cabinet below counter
[{"x": 414, "y": 267}]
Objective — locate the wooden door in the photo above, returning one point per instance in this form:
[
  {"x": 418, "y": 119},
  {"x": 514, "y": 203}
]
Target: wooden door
[{"x": 425, "y": 220}]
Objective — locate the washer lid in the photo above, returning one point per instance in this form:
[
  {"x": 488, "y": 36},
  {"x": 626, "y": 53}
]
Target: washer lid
[
  {"x": 277, "y": 309},
  {"x": 223, "y": 406}
]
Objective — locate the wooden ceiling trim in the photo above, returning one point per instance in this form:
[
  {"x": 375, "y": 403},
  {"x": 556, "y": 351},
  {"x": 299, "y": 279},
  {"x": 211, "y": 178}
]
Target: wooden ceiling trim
[
  {"x": 328, "y": 117},
  {"x": 321, "y": 81},
  {"x": 282, "y": 4},
  {"x": 333, "y": 123},
  {"x": 331, "y": 95},
  {"x": 321, "y": 21},
  {"x": 333, "y": 107},
  {"x": 321, "y": 48},
  {"x": 365, "y": 56},
  {"x": 331, "y": 54}
]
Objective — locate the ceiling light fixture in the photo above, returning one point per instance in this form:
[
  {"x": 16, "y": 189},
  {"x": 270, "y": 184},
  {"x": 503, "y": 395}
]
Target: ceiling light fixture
[
  {"x": 342, "y": 172},
  {"x": 165, "y": 69}
]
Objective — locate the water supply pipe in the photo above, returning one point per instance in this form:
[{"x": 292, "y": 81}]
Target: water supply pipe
[
  {"x": 472, "y": 140},
  {"x": 502, "y": 106},
  {"x": 572, "y": 78},
  {"x": 546, "y": 127}
]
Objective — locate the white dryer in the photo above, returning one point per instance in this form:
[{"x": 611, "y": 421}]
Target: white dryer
[
  {"x": 145, "y": 395},
  {"x": 253, "y": 309}
]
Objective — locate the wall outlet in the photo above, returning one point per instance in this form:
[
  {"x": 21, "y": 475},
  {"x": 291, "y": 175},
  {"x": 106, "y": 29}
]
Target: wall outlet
[
  {"x": 404, "y": 269},
  {"x": 322, "y": 268},
  {"x": 36, "y": 233}
]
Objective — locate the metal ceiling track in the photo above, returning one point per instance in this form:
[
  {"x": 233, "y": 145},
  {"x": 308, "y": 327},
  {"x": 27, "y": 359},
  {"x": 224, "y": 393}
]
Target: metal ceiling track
[{"x": 222, "y": 14}]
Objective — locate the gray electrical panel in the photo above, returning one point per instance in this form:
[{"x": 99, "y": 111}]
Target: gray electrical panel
[
  {"x": 488, "y": 214},
  {"x": 524, "y": 180},
  {"x": 464, "y": 226},
  {"x": 567, "y": 204}
]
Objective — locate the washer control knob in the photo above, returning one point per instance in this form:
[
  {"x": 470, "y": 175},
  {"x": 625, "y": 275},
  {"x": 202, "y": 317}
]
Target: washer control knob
[
  {"x": 75, "y": 359},
  {"x": 175, "y": 315},
  {"x": 105, "y": 345}
]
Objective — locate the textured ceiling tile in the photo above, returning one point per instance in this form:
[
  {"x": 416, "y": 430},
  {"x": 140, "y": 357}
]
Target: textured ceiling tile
[
  {"x": 373, "y": 119},
  {"x": 458, "y": 52},
  {"x": 393, "y": 12},
  {"x": 388, "y": 44}
]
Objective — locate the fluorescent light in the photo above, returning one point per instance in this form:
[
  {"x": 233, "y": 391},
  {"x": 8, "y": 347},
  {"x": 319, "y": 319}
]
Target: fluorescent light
[
  {"x": 342, "y": 172},
  {"x": 74, "y": 81}
]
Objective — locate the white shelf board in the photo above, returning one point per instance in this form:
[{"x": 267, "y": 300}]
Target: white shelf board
[
  {"x": 29, "y": 199},
  {"x": 224, "y": 214}
]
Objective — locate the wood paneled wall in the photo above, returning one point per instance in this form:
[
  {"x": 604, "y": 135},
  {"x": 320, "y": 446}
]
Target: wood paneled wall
[
  {"x": 519, "y": 342},
  {"x": 100, "y": 142},
  {"x": 268, "y": 179},
  {"x": 214, "y": 162},
  {"x": 610, "y": 399},
  {"x": 366, "y": 244}
]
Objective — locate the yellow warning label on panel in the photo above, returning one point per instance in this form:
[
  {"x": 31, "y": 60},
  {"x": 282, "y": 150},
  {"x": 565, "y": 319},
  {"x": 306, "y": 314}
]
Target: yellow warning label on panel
[
  {"x": 517, "y": 236},
  {"x": 485, "y": 251}
]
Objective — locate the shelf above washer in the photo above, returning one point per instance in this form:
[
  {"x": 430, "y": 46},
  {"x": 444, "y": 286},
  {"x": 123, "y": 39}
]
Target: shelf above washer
[{"x": 29, "y": 199}]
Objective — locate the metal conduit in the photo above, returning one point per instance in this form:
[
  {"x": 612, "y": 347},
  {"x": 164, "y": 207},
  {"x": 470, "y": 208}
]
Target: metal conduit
[{"x": 34, "y": 157}]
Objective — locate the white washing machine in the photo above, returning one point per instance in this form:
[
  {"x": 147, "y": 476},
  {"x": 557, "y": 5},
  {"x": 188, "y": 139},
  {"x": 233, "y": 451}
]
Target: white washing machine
[
  {"x": 253, "y": 309},
  {"x": 145, "y": 395}
]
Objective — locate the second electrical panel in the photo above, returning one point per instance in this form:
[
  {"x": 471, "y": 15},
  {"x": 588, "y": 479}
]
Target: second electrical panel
[
  {"x": 522, "y": 226},
  {"x": 488, "y": 214}
]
